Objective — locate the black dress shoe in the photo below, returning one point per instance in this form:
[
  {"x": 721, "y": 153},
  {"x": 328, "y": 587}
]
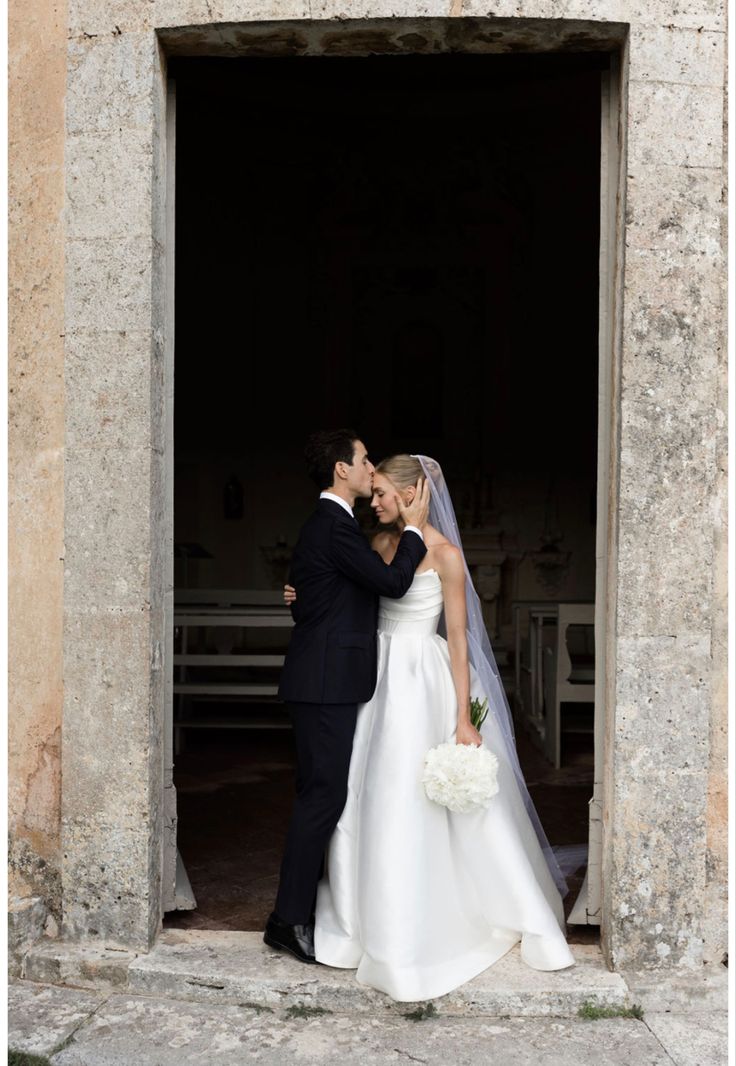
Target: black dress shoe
[{"x": 298, "y": 940}]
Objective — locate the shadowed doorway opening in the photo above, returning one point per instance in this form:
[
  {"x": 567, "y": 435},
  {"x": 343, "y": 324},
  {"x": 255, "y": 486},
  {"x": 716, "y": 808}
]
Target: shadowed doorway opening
[{"x": 409, "y": 246}]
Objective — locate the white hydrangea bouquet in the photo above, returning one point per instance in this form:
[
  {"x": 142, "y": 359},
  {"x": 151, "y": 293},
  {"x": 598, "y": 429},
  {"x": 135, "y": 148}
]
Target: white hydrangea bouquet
[{"x": 462, "y": 777}]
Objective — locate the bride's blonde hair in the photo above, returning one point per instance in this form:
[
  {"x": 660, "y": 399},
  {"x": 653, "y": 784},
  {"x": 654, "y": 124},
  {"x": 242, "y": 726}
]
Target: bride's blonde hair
[{"x": 403, "y": 470}]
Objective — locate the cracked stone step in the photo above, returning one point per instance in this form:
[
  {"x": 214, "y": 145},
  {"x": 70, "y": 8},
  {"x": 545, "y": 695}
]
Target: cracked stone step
[
  {"x": 79, "y": 965},
  {"x": 44, "y": 1017},
  {"x": 125, "y": 1029},
  {"x": 236, "y": 967}
]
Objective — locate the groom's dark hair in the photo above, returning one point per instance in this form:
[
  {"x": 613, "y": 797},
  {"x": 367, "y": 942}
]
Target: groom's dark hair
[{"x": 324, "y": 449}]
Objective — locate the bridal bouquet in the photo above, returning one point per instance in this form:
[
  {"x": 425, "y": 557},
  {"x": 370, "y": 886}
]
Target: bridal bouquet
[{"x": 462, "y": 777}]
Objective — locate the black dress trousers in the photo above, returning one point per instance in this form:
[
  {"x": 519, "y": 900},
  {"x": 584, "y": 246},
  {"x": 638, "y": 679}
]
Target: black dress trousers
[{"x": 323, "y": 734}]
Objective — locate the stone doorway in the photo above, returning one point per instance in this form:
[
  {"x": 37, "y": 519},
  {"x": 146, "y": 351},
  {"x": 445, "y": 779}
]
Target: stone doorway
[
  {"x": 409, "y": 245},
  {"x": 119, "y": 571},
  {"x": 660, "y": 811}
]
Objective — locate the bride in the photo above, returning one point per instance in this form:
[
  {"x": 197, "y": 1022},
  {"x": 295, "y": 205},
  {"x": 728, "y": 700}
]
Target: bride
[{"x": 416, "y": 898}]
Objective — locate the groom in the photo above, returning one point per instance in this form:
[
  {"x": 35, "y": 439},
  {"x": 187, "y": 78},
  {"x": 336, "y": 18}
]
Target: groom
[{"x": 330, "y": 666}]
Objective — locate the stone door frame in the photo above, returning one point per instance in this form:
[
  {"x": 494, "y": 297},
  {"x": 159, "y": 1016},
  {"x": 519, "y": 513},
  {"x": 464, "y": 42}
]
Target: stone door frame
[{"x": 118, "y": 568}]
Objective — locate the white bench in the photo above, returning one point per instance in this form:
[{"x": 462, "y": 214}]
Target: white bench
[
  {"x": 563, "y": 680},
  {"x": 546, "y": 675},
  {"x": 246, "y": 609}
]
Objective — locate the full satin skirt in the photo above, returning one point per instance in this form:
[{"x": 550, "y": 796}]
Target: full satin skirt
[{"x": 416, "y": 898}]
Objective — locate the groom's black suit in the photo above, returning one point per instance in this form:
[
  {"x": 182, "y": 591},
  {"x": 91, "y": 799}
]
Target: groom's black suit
[{"x": 330, "y": 668}]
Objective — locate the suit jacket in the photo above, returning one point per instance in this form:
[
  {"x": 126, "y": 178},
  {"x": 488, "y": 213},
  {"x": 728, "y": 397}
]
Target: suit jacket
[{"x": 332, "y": 655}]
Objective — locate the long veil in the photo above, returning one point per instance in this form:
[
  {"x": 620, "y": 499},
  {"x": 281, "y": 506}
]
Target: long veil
[{"x": 561, "y": 860}]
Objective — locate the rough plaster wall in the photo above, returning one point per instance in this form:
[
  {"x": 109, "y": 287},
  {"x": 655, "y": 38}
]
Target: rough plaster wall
[
  {"x": 36, "y": 73},
  {"x": 670, "y": 614}
]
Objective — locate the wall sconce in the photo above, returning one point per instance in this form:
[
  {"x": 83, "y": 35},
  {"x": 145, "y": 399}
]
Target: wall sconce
[{"x": 550, "y": 564}]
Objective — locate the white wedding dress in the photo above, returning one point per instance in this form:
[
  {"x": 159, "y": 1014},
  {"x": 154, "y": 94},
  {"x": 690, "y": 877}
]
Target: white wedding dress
[{"x": 416, "y": 898}]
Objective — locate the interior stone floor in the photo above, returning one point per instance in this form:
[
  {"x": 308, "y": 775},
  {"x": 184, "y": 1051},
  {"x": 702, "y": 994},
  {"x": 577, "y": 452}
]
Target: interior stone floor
[{"x": 234, "y": 791}]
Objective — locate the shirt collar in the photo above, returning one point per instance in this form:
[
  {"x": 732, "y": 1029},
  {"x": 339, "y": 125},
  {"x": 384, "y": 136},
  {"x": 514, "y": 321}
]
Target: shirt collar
[{"x": 336, "y": 499}]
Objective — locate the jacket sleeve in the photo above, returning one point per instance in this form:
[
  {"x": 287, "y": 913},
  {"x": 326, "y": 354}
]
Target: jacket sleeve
[{"x": 354, "y": 557}]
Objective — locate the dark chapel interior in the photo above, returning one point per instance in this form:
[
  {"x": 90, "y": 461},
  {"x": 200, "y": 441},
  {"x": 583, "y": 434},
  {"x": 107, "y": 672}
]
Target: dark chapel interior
[{"x": 406, "y": 245}]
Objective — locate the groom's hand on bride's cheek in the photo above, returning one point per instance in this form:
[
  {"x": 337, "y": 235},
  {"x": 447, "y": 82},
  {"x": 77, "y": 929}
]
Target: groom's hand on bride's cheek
[{"x": 416, "y": 513}]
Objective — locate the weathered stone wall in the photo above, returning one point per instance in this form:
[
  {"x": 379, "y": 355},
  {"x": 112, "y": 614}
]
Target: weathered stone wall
[
  {"x": 668, "y": 751},
  {"x": 716, "y": 887},
  {"x": 664, "y": 828},
  {"x": 36, "y": 72},
  {"x": 114, "y": 579}
]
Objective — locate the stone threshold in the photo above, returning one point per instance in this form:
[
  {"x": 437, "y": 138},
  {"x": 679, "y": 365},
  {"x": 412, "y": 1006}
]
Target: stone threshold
[{"x": 213, "y": 966}]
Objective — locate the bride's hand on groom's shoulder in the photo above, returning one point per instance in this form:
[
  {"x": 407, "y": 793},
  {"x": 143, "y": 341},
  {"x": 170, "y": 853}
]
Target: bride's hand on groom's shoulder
[{"x": 289, "y": 595}]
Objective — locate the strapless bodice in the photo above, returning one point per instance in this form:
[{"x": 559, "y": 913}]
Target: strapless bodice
[{"x": 417, "y": 612}]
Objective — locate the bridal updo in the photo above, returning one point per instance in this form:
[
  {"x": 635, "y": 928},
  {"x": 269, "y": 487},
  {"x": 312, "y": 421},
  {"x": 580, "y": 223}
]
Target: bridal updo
[{"x": 402, "y": 470}]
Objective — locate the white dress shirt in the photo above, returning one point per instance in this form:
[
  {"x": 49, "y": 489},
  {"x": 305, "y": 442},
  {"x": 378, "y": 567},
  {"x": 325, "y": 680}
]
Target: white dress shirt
[
  {"x": 337, "y": 499},
  {"x": 346, "y": 506}
]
